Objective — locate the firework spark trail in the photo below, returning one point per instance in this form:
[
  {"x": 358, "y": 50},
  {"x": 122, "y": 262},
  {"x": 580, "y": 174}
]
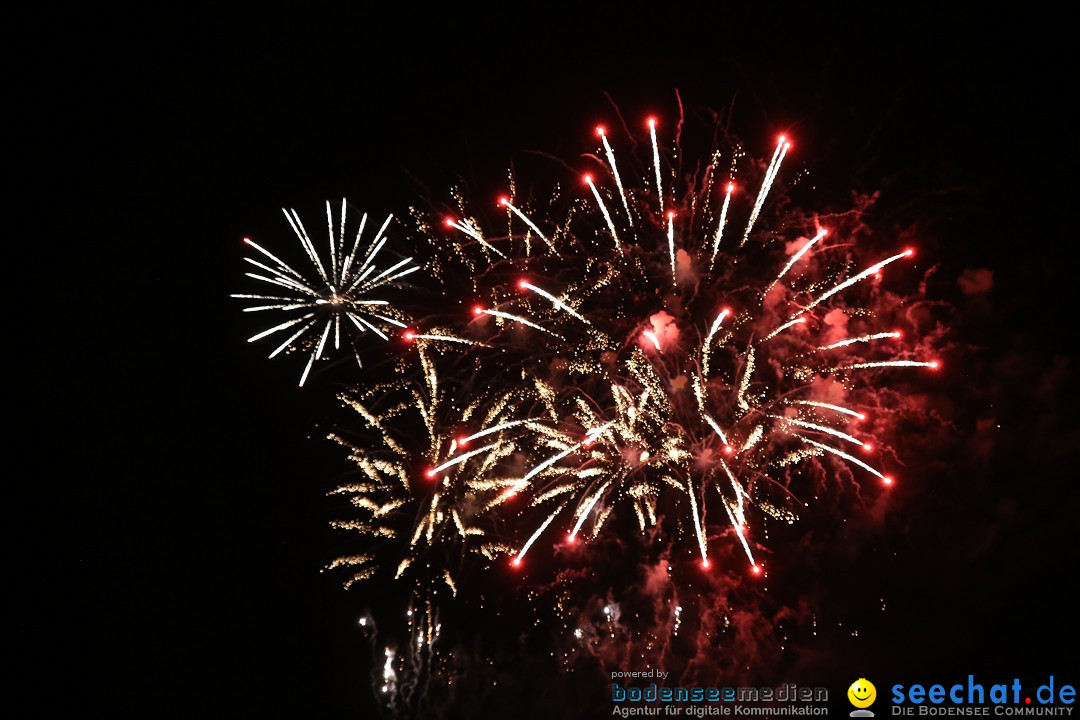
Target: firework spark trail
[
  {"x": 737, "y": 524},
  {"x": 364, "y": 325},
  {"x": 527, "y": 221},
  {"x": 317, "y": 353},
  {"x": 278, "y": 278},
  {"x": 391, "y": 269},
  {"x": 797, "y": 321},
  {"x": 770, "y": 174},
  {"x": 736, "y": 486},
  {"x": 305, "y": 241},
  {"x": 744, "y": 384},
  {"x": 840, "y": 453},
  {"x": 303, "y": 329},
  {"x": 282, "y": 326},
  {"x": 539, "y": 531},
  {"x": 721, "y": 224},
  {"x": 821, "y": 428},
  {"x": 583, "y": 513},
  {"x": 281, "y": 264},
  {"x": 794, "y": 259},
  {"x": 698, "y": 530},
  {"x": 389, "y": 677},
  {"x": 376, "y": 245},
  {"x": 656, "y": 162},
  {"x": 671, "y": 243},
  {"x": 356, "y": 243},
  {"x": 716, "y": 428},
  {"x": 890, "y": 363},
  {"x": 706, "y": 347},
  {"x": 466, "y": 227},
  {"x": 384, "y": 318},
  {"x": 861, "y": 339},
  {"x": 440, "y": 338},
  {"x": 615, "y": 171},
  {"x": 604, "y": 210},
  {"x": 515, "y": 318},
  {"x": 460, "y": 459},
  {"x": 872, "y": 270},
  {"x": 494, "y": 429},
  {"x": 333, "y": 245},
  {"x": 554, "y": 301},
  {"x": 829, "y": 406}
]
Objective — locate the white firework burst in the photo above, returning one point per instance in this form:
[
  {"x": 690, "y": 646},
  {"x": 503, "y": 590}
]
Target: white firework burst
[{"x": 338, "y": 298}]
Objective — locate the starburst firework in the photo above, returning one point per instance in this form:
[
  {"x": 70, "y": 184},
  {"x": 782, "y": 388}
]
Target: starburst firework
[
  {"x": 337, "y": 299},
  {"x": 426, "y": 480},
  {"x": 686, "y": 369}
]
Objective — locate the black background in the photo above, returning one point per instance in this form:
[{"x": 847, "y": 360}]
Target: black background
[{"x": 169, "y": 544}]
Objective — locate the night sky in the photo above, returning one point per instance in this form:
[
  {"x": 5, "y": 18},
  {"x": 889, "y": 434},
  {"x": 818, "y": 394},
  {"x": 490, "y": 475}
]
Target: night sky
[{"x": 175, "y": 563}]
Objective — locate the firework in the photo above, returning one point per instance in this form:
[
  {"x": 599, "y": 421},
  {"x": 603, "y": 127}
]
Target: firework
[
  {"x": 425, "y": 480},
  {"x": 674, "y": 345},
  {"x": 338, "y": 299},
  {"x": 655, "y": 348},
  {"x": 684, "y": 377}
]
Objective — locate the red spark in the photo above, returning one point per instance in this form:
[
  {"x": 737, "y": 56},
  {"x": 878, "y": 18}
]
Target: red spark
[
  {"x": 705, "y": 563},
  {"x": 477, "y": 310},
  {"x": 409, "y": 335},
  {"x": 756, "y": 569},
  {"x": 600, "y": 130},
  {"x": 587, "y": 179},
  {"x": 730, "y": 186},
  {"x": 504, "y": 200},
  {"x": 516, "y": 562},
  {"x": 449, "y": 222},
  {"x": 431, "y": 473},
  {"x": 909, "y": 252},
  {"x": 887, "y": 480},
  {"x": 728, "y": 450},
  {"x": 652, "y": 122},
  {"x": 934, "y": 364},
  {"x": 463, "y": 441},
  {"x": 867, "y": 447}
]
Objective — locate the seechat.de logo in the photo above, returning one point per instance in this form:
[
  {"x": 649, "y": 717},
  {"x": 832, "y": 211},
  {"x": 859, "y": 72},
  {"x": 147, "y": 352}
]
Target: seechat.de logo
[{"x": 862, "y": 694}]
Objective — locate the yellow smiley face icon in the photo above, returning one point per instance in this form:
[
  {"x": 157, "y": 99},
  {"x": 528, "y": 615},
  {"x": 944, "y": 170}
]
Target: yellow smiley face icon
[{"x": 862, "y": 693}]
